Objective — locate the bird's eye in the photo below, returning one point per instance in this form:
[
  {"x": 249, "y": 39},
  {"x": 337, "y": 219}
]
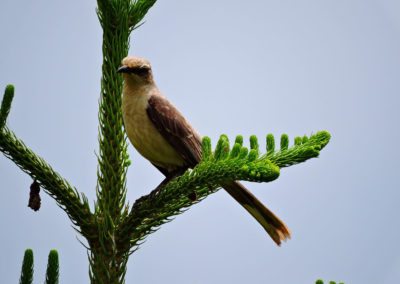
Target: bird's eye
[{"x": 141, "y": 71}]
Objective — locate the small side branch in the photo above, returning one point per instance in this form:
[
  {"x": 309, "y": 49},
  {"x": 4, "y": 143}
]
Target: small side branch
[
  {"x": 138, "y": 10},
  {"x": 151, "y": 211},
  {"x": 57, "y": 187},
  {"x": 224, "y": 164},
  {"x": 304, "y": 148},
  {"x": 6, "y": 105}
]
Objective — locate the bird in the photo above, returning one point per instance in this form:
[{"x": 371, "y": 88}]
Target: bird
[{"x": 162, "y": 135}]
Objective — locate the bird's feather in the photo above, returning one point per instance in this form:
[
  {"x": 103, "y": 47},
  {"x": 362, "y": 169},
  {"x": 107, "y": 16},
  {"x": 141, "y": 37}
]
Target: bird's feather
[
  {"x": 184, "y": 139},
  {"x": 175, "y": 129}
]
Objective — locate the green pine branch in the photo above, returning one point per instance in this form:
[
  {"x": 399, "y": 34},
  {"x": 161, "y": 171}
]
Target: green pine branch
[
  {"x": 223, "y": 164},
  {"x": 6, "y": 105},
  {"x": 52, "y": 272},
  {"x": 74, "y": 204},
  {"x": 319, "y": 281},
  {"x": 118, "y": 18},
  {"x": 27, "y": 268},
  {"x": 113, "y": 230},
  {"x": 304, "y": 148}
]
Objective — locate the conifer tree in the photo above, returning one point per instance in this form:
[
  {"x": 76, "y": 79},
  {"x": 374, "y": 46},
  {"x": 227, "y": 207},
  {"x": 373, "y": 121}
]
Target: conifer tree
[{"x": 114, "y": 230}]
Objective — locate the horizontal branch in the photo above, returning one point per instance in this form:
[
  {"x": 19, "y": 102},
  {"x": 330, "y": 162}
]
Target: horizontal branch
[
  {"x": 303, "y": 149},
  {"x": 151, "y": 211},
  {"x": 224, "y": 164}
]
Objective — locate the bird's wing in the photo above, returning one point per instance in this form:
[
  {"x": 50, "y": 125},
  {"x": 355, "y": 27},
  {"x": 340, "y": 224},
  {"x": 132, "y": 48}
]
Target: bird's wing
[
  {"x": 175, "y": 129},
  {"x": 184, "y": 139}
]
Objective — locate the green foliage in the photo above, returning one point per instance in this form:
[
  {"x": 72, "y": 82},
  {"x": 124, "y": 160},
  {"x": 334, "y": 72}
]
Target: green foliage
[
  {"x": 284, "y": 142},
  {"x": 27, "y": 268},
  {"x": 151, "y": 211},
  {"x": 254, "y": 143},
  {"x": 67, "y": 197},
  {"x": 113, "y": 231},
  {"x": 52, "y": 272},
  {"x": 310, "y": 147},
  {"x": 6, "y": 105},
  {"x": 319, "y": 281},
  {"x": 270, "y": 144},
  {"x": 139, "y": 10},
  {"x": 117, "y": 18},
  {"x": 128, "y": 229}
]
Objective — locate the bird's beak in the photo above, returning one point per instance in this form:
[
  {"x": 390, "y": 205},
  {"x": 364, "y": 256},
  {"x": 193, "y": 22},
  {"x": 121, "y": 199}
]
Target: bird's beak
[{"x": 123, "y": 69}]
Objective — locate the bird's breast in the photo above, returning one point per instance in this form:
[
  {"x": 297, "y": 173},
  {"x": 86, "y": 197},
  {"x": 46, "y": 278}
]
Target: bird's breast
[{"x": 144, "y": 136}]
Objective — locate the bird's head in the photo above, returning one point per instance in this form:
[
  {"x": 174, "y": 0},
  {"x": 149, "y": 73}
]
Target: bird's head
[{"x": 136, "y": 70}]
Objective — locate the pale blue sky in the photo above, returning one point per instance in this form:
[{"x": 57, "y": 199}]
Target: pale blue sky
[{"x": 291, "y": 67}]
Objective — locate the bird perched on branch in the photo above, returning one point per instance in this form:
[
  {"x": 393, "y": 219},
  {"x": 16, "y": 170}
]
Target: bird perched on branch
[{"x": 161, "y": 134}]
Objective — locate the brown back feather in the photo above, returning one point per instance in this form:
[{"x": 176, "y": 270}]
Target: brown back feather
[{"x": 175, "y": 129}]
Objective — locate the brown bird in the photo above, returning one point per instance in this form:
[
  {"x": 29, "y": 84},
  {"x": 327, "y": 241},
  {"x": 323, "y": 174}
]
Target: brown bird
[{"x": 161, "y": 134}]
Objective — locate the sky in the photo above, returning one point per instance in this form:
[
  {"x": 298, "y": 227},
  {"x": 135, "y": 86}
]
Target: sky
[{"x": 292, "y": 67}]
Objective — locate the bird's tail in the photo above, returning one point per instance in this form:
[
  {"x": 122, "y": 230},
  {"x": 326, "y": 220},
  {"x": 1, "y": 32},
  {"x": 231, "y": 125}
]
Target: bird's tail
[{"x": 271, "y": 223}]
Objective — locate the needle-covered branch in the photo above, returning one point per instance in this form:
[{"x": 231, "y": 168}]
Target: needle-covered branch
[
  {"x": 114, "y": 14},
  {"x": 224, "y": 164},
  {"x": 304, "y": 148},
  {"x": 52, "y": 271},
  {"x": 67, "y": 197},
  {"x": 138, "y": 10},
  {"x": 113, "y": 231},
  {"x": 6, "y": 105},
  {"x": 27, "y": 268},
  {"x": 118, "y": 18}
]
